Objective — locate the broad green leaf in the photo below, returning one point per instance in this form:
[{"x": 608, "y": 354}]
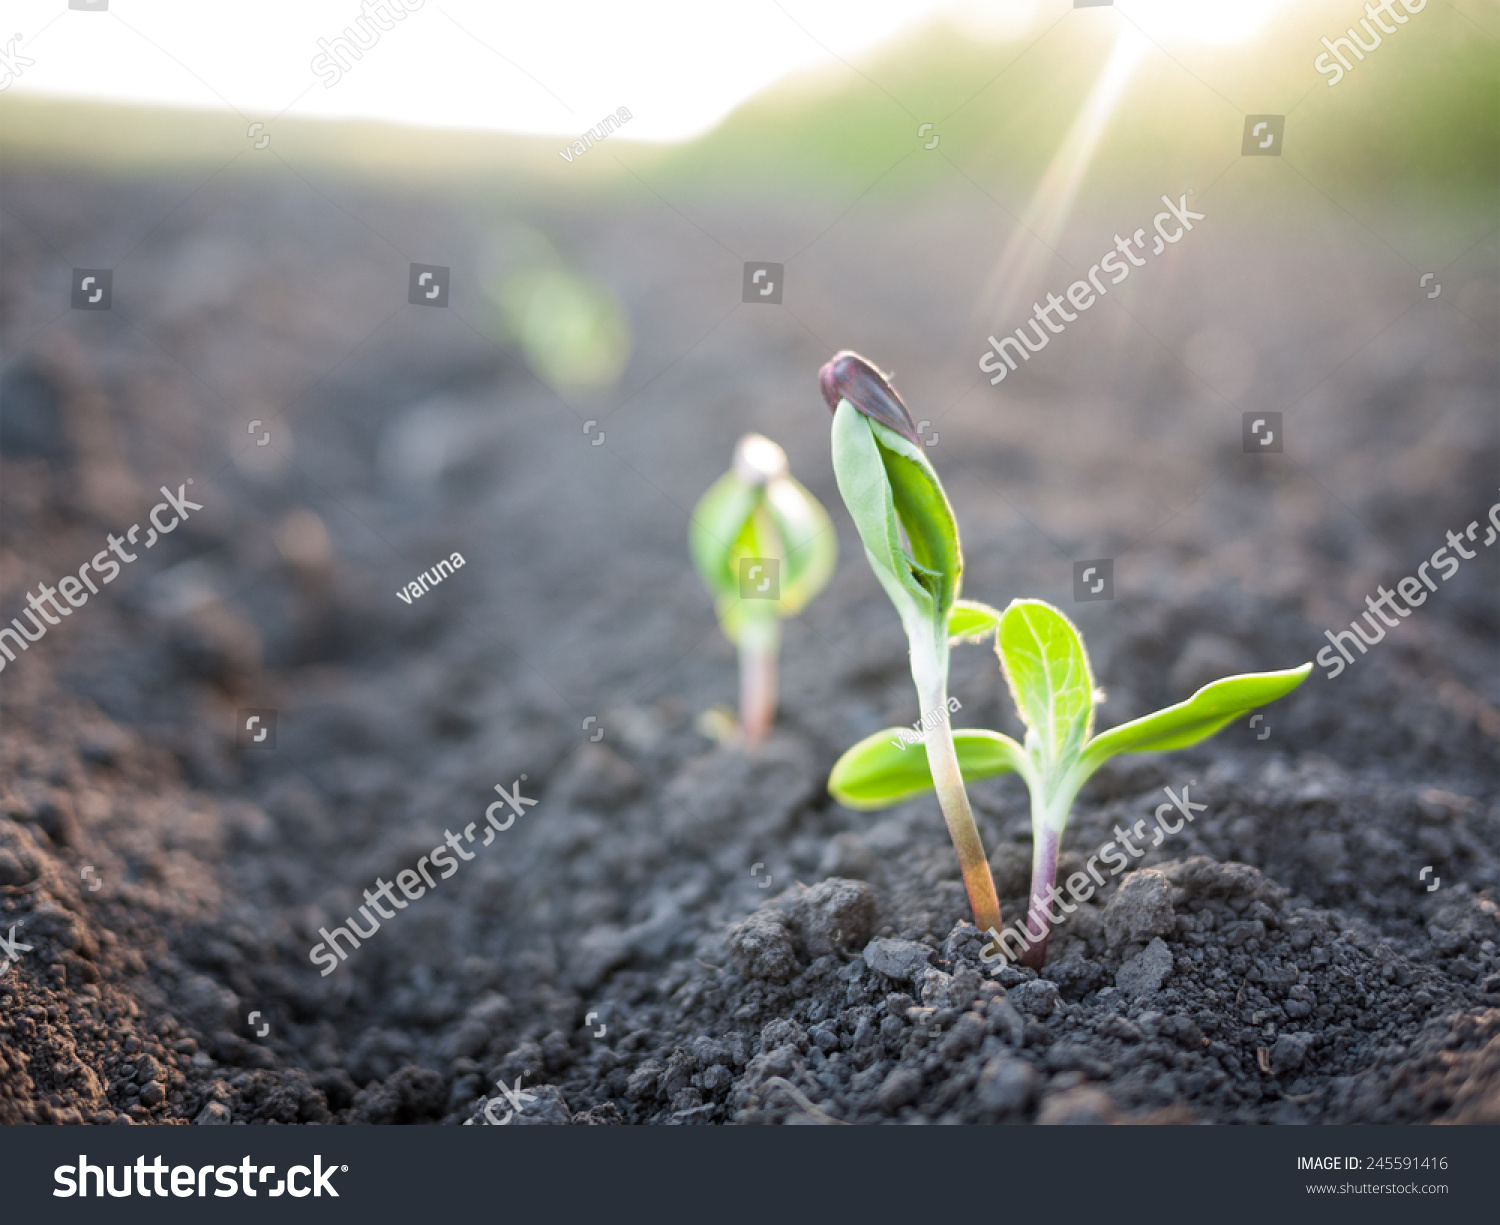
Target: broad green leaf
[
  {"x": 1048, "y": 673},
  {"x": 877, "y": 774},
  {"x": 971, "y": 621},
  {"x": 1198, "y": 718},
  {"x": 884, "y": 479}
]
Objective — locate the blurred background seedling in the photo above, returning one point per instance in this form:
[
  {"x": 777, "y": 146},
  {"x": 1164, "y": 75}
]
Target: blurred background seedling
[{"x": 765, "y": 547}]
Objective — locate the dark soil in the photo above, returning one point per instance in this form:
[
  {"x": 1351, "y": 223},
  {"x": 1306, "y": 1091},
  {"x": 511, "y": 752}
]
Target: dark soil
[{"x": 1287, "y": 965}]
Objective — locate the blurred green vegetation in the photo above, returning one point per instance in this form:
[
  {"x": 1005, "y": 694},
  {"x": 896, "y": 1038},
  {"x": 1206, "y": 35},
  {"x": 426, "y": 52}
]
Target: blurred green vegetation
[
  {"x": 1420, "y": 116},
  {"x": 1421, "y": 113}
]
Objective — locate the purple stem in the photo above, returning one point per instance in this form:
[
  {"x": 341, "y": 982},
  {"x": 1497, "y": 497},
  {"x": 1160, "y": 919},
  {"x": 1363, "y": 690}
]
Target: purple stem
[{"x": 1043, "y": 875}]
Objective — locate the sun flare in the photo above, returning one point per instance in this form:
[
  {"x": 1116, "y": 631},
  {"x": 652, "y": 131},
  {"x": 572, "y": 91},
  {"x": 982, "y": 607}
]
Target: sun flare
[{"x": 1221, "y": 23}]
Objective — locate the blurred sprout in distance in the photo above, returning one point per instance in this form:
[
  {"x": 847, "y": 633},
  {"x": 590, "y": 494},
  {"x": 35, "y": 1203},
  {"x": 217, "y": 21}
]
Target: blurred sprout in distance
[
  {"x": 573, "y": 330},
  {"x": 764, "y": 547}
]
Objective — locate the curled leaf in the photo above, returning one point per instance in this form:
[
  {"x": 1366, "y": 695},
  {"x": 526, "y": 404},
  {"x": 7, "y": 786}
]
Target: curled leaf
[{"x": 890, "y": 488}]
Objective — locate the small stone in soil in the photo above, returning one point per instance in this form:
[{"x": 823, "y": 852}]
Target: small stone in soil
[
  {"x": 1076, "y": 975},
  {"x": 898, "y": 959},
  {"x": 760, "y": 946},
  {"x": 214, "y": 1114},
  {"x": 832, "y": 916},
  {"x": 549, "y": 1109},
  {"x": 1144, "y": 973},
  {"x": 1142, "y": 908},
  {"x": 1079, "y": 1105},
  {"x": 1040, "y": 998},
  {"x": 1007, "y": 1085},
  {"x": 901, "y": 1088},
  {"x": 1290, "y": 1052},
  {"x": 1014, "y": 976},
  {"x": 936, "y": 988}
]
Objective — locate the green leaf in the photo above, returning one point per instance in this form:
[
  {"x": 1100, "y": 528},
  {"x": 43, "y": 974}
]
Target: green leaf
[
  {"x": 808, "y": 540},
  {"x": 780, "y": 519},
  {"x": 717, "y": 523},
  {"x": 923, "y": 511},
  {"x": 884, "y": 481},
  {"x": 971, "y": 621},
  {"x": 1048, "y": 673},
  {"x": 877, "y": 774},
  {"x": 1196, "y": 719}
]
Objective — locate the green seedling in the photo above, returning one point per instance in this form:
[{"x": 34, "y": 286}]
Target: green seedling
[
  {"x": 765, "y": 547},
  {"x": 911, "y": 539},
  {"x": 1047, "y": 670}
]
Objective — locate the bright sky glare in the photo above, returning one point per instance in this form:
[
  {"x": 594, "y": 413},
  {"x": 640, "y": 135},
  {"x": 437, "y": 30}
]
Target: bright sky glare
[{"x": 556, "y": 68}]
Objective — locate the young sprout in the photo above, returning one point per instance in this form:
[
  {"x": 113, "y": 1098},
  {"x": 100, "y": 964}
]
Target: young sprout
[
  {"x": 1047, "y": 670},
  {"x": 911, "y": 539},
  {"x": 765, "y": 547}
]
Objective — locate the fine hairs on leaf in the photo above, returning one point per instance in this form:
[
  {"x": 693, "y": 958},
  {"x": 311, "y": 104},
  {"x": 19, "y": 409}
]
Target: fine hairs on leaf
[
  {"x": 911, "y": 541},
  {"x": 764, "y": 547},
  {"x": 1047, "y": 671}
]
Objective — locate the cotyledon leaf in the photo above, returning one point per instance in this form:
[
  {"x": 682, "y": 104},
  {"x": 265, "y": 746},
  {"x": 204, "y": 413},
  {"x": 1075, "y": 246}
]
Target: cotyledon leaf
[
  {"x": 875, "y": 773},
  {"x": 1198, "y": 718}
]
